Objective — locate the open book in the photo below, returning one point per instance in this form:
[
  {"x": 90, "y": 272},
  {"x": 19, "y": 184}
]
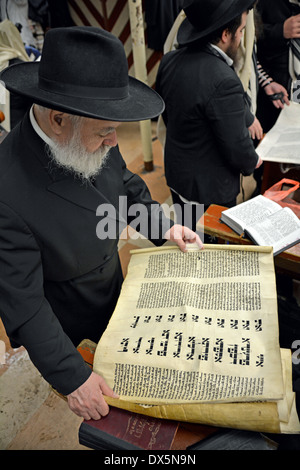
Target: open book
[{"x": 265, "y": 222}]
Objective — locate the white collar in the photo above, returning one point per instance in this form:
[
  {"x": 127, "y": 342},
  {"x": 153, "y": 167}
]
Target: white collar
[
  {"x": 223, "y": 54},
  {"x": 37, "y": 128}
]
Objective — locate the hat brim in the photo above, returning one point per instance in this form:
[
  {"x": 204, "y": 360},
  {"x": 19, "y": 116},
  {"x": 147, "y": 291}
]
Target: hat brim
[
  {"x": 141, "y": 103},
  {"x": 188, "y": 34}
]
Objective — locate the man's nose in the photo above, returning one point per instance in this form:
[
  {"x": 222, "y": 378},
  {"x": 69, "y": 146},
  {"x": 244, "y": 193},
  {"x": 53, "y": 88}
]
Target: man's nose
[{"x": 111, "y": 139}]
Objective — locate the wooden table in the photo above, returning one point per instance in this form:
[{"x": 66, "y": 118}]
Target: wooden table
[{"x": 287, "y": 262}]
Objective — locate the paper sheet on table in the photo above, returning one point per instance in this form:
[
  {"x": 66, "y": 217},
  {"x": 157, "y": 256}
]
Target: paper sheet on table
[{"x": 282, "y": 143}]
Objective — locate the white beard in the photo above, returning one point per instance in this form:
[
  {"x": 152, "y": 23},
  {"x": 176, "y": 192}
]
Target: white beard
[{"x": 73, "y": 156}]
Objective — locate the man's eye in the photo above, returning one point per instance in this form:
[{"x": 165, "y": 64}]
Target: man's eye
[{"x": 106, "y": 132}]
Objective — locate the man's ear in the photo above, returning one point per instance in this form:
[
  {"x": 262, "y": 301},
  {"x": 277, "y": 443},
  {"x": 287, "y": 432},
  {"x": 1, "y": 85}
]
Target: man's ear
[
  {"x": 57, "y": 121},
  {"x": 226, "y": 36}
]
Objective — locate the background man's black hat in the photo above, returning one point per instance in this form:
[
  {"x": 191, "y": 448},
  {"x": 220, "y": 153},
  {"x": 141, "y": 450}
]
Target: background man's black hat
[{"x": 204, "y": 17}]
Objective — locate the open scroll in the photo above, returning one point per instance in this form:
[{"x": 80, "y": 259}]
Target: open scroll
[{"x": 195, "y": 328}]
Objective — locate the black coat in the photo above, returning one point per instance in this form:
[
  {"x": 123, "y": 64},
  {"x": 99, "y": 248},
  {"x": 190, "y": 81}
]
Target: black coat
[
  {"x": 59, "y": 282},
  {"x": 207, "y": 143},
  {"x": 273, "y": 53},
  {"x": 272, "y": 47},
  {"x": 159, "y": 17}
]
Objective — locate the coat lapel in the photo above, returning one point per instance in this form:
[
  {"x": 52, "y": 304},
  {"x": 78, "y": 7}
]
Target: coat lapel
[
  {"x": 88, "y": 196},
  {"x": 82, "y": 194}
]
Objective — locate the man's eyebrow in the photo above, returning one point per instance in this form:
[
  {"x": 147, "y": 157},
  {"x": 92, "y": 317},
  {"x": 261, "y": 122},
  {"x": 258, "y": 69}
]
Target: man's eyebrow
[{"x": 106, "y": 130}]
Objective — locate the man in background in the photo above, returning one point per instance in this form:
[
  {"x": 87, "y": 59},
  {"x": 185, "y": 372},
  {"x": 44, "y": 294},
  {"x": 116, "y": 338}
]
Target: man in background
[{"x": 207, "y": 144}]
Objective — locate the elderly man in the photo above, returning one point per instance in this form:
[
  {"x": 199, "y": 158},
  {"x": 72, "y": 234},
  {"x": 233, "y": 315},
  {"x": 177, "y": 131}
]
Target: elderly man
[{"x": 59, "y": 282}]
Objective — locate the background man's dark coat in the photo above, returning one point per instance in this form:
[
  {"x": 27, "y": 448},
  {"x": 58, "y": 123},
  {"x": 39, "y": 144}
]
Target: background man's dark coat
[{"x": 207, "y": 143}]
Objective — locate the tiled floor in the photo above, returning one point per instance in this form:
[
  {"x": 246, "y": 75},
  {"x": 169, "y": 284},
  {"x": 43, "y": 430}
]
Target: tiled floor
[{"x": 32, "y": 417}]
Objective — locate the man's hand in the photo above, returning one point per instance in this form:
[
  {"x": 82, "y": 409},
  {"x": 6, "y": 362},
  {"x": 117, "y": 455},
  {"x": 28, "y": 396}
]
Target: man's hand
[
  {"x": 291, "y": 27},
  {"x": 182, "y": 235},
  {"x": 259, "y": 163},
  {"x": 87, "y": 400},
  {"x": 275, "y": 88},
  {"x": 255, "y": 130}
]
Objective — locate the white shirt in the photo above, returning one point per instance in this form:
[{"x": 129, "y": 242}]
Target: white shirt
[
  {"x": 37, "y": 128},
  {"x": 223, "y": 54}
]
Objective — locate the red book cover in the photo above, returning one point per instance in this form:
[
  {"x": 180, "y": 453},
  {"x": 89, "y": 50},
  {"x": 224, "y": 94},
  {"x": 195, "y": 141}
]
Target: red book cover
[{"x": 122, "y": 429}]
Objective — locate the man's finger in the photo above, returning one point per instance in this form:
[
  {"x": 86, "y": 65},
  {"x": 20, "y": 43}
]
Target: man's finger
[{"x": 106, "y": 390}]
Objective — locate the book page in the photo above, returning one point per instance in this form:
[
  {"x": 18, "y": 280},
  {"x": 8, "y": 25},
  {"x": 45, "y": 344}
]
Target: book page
[
  {"x": 250, "y": 212},
  {"x": 195, "y": 327},
  {"x": 280, "y": 230},
  {"x": 282, "y": 143}
]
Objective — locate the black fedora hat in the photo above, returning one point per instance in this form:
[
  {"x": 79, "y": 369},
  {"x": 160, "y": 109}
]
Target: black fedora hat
[
  {"x": 84, "y": 71},
  {"x": 204, "y": 17}
]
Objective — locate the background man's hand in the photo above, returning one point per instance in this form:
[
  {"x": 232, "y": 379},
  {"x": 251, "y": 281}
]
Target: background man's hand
[
  {"x": 291, "y": 27},
  {"x": 87, "y": 400},
  {"x": 259, "y": 163},
  {"x": 255, "y": 130},
  {"x": 275, "y": 88},
  {"x": 182, "y": 235}
]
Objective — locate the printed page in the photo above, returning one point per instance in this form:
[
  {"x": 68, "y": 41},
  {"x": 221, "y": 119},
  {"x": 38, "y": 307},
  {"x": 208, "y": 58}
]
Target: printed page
[
  {"x": 282, "y": 143},
  {"x": 280, "y": 230},
  {"x": 195, "y": 327},
  {"x": 250, "y": 212}
]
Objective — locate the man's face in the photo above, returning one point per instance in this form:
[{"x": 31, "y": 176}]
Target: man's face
[
  {"x": 235, "y": 41},
  {"x": 95, "y": 133},
  {"x": 85, "y": 146}
]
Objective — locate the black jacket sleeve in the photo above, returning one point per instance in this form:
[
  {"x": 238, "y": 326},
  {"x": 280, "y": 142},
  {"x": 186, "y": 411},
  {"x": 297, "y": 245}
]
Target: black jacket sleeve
[
  {"x": 227, "y": 114},
  {"x": 27, "y": 316}
]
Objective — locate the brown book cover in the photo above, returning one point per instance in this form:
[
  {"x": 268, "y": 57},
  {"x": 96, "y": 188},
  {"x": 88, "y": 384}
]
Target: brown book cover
[{"x": 121, "y": 429}]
